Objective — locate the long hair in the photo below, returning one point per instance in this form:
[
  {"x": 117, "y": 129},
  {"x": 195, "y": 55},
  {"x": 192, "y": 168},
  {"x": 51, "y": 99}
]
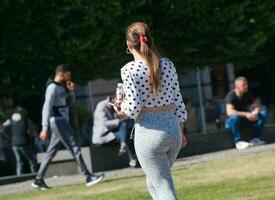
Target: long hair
[{"x": 138, "y": 35}]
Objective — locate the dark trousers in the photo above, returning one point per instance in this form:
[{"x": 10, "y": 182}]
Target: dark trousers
[
  {"x": 62, "y": 132},
  {"x": 21, "y": 152},
  {"x": 234, "y": 122}
]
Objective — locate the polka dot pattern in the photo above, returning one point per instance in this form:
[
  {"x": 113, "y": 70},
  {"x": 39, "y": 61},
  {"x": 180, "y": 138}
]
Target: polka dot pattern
[{"x": 136, "y": 86}]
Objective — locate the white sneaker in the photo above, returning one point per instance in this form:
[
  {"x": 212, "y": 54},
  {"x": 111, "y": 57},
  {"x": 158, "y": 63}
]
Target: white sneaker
[
  {"x": 257, "y": 142},
  {"x": 242, "y": 145},
  {"x": 133, "y": 163}
]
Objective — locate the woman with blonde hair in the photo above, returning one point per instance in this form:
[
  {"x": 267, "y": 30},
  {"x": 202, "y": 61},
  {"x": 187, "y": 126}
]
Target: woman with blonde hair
[{"x": 152, "y": 97}]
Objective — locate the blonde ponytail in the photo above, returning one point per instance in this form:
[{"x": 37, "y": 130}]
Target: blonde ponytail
[{"x": 138, "y": 35}]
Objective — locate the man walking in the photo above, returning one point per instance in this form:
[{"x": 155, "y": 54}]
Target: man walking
[{"x": 55, "y": 117}]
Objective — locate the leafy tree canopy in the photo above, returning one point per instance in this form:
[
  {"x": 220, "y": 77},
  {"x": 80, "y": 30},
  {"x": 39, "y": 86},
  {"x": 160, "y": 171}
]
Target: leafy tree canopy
[{"x": 37, "y": 35}]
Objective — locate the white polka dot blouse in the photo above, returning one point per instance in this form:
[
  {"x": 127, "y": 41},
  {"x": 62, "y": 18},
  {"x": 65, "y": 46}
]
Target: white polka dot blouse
[{"x": 136, "y": 86}]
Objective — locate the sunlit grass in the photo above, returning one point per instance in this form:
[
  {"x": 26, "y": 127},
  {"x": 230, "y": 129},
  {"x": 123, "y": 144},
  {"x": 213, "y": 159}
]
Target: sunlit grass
[{"x": 247, "y": 177}]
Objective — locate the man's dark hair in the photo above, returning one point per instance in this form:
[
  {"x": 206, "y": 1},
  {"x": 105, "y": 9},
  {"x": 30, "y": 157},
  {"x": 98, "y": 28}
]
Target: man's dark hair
[{"x": 62, "y": 68}]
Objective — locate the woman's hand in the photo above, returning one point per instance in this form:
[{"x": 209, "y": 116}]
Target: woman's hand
[
  {"x": 117, "y": 108},
  {"x": 184, "y": 139}
]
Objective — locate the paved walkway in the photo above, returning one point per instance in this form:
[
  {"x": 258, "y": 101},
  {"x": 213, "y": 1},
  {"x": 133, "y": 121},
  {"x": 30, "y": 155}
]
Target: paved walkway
[{"x": 123, "y": 173}]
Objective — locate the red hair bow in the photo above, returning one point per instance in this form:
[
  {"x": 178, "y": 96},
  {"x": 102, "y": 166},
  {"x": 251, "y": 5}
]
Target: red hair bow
[{"x": 143, "y": 39}]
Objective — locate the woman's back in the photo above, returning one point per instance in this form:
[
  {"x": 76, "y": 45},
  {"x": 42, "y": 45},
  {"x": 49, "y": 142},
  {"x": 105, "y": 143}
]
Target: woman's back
[{"x": 136, "y": 79}]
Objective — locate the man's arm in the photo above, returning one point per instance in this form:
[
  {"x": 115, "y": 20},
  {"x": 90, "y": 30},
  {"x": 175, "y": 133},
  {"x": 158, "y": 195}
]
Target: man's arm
[
  {"x": 47, "y": 107},
  {"x": 256, "y": 106},
  {"x": 112, "y": 123},
  {"x": 7, "y": 123},
  {"x": 230, "y": 110},
  {"x": 248, "y": 115}
]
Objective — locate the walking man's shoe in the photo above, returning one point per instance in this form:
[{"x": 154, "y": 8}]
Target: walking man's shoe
[
  {"x": 94, "y": 179},
  {"x": 40, "y": 184}
]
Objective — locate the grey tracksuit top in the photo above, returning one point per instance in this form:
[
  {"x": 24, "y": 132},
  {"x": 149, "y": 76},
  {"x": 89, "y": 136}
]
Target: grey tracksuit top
[{"x": 55, "y": 104}]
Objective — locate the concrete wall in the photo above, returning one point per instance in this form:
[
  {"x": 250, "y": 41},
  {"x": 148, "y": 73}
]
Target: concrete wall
[{"x": 105, "y": 158}]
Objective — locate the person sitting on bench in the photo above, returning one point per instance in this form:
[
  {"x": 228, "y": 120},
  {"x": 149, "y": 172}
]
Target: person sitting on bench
[
  {"x": 108, "y": 128},
  {"x": 243, "y": 110}
]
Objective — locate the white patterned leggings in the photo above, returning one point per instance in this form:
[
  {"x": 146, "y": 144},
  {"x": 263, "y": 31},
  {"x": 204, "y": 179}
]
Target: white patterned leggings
[{"x": 157, "y": 142}]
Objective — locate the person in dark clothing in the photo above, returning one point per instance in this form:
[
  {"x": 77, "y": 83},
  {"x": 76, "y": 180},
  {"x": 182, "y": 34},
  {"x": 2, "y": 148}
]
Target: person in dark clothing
[
  {"x": 241, "y": 108},
  {"x": 55, "y": 117},
  {"x": 21, "y": 129},
  {"x": 213, "y": 115}
]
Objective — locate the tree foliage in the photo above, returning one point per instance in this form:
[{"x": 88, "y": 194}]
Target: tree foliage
[{"x": 35, "y": 36}]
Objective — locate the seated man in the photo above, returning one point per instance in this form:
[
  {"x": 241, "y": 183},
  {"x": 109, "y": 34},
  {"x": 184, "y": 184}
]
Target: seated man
[
  {"x": 241, "y": 108},
  {"x": 108, "y": 128}
]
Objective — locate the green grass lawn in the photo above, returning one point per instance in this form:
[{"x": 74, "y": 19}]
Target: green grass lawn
[{"x": 247, "y": 177}]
